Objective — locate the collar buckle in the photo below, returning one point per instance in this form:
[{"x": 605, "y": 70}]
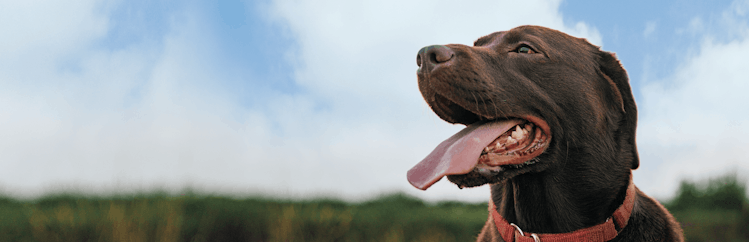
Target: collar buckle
[{"x": 533, "y": 235}]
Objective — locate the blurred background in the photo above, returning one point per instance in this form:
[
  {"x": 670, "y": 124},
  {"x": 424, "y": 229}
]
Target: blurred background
[{"x": 165, "y": 117}]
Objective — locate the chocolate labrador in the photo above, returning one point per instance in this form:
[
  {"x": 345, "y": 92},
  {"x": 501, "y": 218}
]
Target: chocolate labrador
[{"x": 551, "y": 127}]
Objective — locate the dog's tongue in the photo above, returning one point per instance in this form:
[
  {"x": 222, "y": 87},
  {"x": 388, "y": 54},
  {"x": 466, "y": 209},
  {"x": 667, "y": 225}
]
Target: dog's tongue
[{"x": 458, "y": 154}]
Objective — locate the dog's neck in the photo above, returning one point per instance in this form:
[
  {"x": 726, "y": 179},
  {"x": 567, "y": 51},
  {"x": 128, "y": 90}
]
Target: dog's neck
[{"x": 540, "y": 203}]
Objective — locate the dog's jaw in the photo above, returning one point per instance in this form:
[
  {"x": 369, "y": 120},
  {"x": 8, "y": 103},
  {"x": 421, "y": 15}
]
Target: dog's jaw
[{"x": 484, "y": 152}]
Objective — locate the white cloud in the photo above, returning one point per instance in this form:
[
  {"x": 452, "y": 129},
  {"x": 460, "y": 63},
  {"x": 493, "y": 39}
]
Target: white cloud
[
  {"x": 649, "y": 29},
  {"x": 694, "y": 123},
  {"x": 47, "y": 29},
  {"x": 73, "y": 121}
]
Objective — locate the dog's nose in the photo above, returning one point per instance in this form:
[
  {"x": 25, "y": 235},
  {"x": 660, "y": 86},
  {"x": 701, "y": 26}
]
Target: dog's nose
[{"x": 432, "y": 56}]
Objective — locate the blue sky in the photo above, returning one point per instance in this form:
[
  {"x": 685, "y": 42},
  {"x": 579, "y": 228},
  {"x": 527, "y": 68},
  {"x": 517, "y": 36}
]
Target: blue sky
[{"x": 319, "y": 98}]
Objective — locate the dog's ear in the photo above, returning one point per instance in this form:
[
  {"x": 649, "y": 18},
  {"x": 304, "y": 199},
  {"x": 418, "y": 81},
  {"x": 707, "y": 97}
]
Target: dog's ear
[{"x": 615, "y": 74}]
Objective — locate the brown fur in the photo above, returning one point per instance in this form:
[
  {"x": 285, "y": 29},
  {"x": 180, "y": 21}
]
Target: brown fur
[{"x": 583, "y": 94}]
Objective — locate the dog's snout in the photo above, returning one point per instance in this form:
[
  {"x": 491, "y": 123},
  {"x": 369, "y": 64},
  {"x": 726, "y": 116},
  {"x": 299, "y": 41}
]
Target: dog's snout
[{"x": 432, "y": 56}]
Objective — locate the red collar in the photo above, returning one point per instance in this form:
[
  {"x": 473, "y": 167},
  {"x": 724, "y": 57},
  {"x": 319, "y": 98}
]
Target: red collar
[{"x": 602, "y": 232}]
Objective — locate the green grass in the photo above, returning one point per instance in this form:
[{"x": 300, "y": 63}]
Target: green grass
[
  {"x": 715, "y": 210},
  {"x": 397, "y": 217}
]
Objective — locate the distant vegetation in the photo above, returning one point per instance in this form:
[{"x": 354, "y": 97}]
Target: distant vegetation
[{"x": 715, "y": 210}]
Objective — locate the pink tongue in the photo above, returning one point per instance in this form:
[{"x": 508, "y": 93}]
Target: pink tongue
[{"x": 458, "y": 154}]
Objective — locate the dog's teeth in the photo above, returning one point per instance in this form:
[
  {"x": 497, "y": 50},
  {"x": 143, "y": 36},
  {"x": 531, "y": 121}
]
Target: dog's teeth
[
  {"x": 511, "y": 140},
  {"x": 518, "y": 133}
]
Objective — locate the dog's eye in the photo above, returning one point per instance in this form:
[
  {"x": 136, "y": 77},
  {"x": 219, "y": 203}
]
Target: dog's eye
[{"x": 524, "y": 49}]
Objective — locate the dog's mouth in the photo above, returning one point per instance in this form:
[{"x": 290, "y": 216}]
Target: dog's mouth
[
  {"x": 484, "y": 148},
  {"x": 513, "y": 146}
]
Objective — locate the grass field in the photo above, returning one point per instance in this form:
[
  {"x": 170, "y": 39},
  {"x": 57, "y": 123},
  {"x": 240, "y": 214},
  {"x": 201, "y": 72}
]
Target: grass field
[{"x": 714, "y": 211}]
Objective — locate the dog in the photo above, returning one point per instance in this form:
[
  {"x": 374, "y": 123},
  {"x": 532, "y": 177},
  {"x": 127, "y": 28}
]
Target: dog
[{"x": 551, "y": 125}]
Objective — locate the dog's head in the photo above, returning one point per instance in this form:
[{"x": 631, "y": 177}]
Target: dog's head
[{"x": 534, "y": 100}]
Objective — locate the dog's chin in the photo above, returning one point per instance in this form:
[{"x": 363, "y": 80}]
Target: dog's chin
[{"x": 480, "y": 176}]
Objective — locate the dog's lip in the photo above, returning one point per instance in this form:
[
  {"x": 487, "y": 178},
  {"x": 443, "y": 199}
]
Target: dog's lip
[
  {"x": 441, "y": 104},
  {"x": 540, "y": 123},
  {"x": 460, "y": 153}
]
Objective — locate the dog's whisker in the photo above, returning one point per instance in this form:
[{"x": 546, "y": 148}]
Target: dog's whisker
[
  {"x": 489, "y": 99},
  {"x": 475, "y": 100},
  {"x": 496, "y": 109}
]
